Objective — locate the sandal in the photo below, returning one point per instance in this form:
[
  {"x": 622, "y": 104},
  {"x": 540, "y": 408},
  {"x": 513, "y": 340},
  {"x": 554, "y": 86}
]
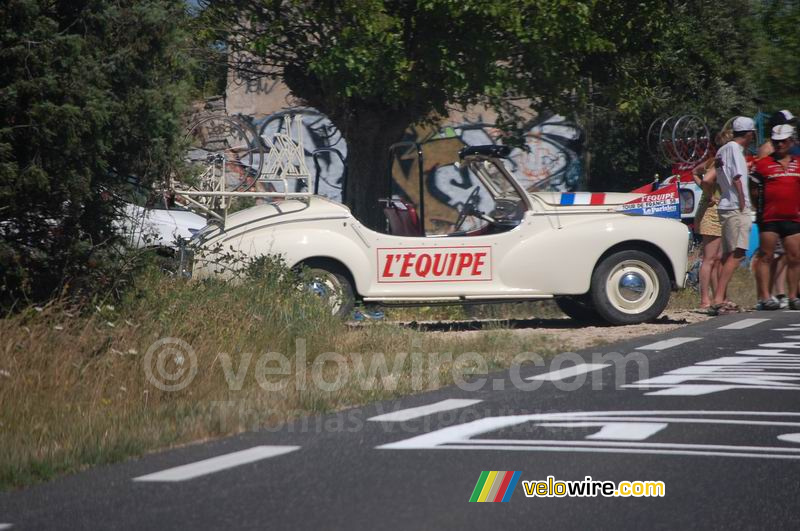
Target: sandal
[{"x": 723, "y": 309}]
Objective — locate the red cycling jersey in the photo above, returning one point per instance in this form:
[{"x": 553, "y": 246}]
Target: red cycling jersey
[{"x": 781, "y": 189}]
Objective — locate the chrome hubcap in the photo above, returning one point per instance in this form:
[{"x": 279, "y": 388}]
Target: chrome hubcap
[{"x": 632, "y": 286}]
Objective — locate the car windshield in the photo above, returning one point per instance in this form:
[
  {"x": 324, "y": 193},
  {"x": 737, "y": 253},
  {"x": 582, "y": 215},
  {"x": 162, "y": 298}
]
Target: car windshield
[{"x": 494, "y": 177}]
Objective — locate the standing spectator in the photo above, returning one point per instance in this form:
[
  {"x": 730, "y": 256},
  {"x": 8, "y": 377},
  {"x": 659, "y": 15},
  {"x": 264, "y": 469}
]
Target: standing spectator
[
  {"x": 708, "y": 226},
  {"x": 780, "y": 216},
  {"x": 779, "y": 118},
  {"x": 734, "y": 207},
  {"x": 777, "y": 271}
]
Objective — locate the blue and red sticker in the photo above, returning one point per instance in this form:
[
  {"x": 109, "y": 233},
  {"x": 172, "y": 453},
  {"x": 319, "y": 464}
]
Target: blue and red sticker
[{"x": 663, "y": 202}]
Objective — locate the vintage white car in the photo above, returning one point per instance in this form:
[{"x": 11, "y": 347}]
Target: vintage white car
[{"x": 587, "y": 250}]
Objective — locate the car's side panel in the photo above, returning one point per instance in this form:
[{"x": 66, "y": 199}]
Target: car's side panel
[
  {"x": 551, "y": 252},
  {"x": 419, "y": 267},
  {"x": 561, "y": 261}
]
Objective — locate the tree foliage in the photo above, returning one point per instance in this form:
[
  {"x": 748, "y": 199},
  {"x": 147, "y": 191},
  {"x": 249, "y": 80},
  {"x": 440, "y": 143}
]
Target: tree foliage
[
  {"x": 90, "y": 92},
  {"x": 700, "y": 61},
  {"x": 374, "y": 67},
  {"x": 777, "y": 64}
]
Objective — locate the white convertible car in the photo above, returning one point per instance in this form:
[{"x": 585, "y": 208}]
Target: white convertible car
[{"x": 589, "y": 251}]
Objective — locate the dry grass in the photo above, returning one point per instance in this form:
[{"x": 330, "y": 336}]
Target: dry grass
[
  {"x": 73, "y": 389},
  {"x": 74, "y": 393}
]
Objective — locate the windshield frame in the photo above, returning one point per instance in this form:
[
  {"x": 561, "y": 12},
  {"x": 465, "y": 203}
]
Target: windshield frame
[{"x": 476, "y": 164}]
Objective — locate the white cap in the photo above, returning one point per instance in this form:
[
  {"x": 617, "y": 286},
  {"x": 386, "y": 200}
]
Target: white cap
[
  {"x": 743, "y": 123},
  {"x": 787, "y": 115},
  {"x": 782, "y": 132}
]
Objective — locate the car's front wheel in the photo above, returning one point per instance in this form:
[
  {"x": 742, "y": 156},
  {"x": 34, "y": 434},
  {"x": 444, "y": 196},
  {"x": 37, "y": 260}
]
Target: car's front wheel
[
  {"x": 334, "y": 288},
  {"x": 630, "y": 287}
]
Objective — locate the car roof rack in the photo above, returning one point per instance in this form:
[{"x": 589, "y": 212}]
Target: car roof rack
[
  {"x": 231, "y": 150},
  {"x": 491, "y": 150}
]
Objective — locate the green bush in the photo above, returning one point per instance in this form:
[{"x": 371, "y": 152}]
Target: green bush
[{"x": 90, "y": 93}]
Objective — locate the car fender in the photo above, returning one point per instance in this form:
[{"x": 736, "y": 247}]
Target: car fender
[
  {"x": 295, "y": 242},
  {"x": 561, "y": 261}
]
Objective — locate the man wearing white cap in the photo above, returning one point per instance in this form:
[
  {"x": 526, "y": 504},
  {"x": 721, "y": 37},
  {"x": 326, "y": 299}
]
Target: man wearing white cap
[
  {"x": 779, "y": 118},
  {"x": 780, "y": 214},
  {"x": 734, "y": 206}
]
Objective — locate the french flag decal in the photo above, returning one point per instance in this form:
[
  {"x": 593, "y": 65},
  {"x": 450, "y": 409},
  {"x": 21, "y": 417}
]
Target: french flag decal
[
  {"x": 662, "y": 203},
  {"x": 582, "y": 198}
]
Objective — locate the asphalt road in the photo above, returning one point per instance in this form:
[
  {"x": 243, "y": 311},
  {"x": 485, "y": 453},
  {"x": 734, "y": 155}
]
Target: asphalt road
[{"x": 711, "y": 410}]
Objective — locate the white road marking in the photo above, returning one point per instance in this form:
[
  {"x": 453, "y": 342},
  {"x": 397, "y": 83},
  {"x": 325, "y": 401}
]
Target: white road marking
[
  {"x": 795, "y": 329},
  {"x": 569, "y": 372},
  {"x": 669, "y": 343},
  {"x": 689, "y": 390},
  {"x": 790, "y": 437},
  {"x": 657, "y": 451},
  {"x": 744, "y": 323},
  {"x": 614, "y": 431},
  {"x": 217, "y": 464},
  {"x": 466, "y": 436},
  {"x": 423, "y": 411},
  {"x": 6, "y": 526}
]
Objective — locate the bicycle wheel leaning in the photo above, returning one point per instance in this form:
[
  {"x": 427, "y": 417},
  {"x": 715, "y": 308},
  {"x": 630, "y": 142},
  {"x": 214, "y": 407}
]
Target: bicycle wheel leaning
[{"x": 223, "y": 154}]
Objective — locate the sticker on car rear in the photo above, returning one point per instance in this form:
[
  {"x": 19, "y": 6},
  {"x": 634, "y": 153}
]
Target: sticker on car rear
[
  {"x": 440, "y": 264},
  {"x": 663, "y": 202}
]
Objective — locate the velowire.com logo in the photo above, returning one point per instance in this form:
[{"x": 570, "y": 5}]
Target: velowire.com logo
[{"x": 494, "y": 486}]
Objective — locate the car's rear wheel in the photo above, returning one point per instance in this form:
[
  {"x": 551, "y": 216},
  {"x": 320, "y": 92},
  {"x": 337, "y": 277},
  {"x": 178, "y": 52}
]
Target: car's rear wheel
[
  {"x": 578, "y": 307},
  {"x": 630, "y": 287},
  {"x": 334, "y": 288}
]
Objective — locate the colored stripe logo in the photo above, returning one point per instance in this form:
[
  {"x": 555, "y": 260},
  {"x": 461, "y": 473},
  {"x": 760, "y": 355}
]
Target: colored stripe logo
[
  {"x": 494, "y": 486},
  {"x": 582, "y": 198}
]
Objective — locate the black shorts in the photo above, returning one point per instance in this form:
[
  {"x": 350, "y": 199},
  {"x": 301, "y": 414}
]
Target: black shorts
[{"x": 783, "y": 228}]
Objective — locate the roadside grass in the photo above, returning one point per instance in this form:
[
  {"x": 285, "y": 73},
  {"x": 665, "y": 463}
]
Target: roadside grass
[{"x": 74, "y": 392}]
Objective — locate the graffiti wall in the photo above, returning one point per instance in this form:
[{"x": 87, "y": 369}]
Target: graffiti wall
[{"x": 550, "y": 160}]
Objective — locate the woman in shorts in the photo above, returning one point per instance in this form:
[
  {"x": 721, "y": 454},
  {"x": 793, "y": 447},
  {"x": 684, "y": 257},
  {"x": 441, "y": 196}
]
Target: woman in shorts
[{"x": 708, "y": 226}]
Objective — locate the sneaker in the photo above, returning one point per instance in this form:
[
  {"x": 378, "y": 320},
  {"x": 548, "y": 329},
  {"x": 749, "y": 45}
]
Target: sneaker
[
  {"x": 794, "y": 304},
  {"x": 769, "y": 304},
  {"x": 784, "y": 301}
]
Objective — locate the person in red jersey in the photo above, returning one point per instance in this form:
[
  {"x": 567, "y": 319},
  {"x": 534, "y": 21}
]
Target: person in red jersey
[{"x": 779, "y": 212}]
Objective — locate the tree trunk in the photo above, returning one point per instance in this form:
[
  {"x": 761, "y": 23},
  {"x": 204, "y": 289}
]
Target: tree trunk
[{"x": 369, "y": 136}]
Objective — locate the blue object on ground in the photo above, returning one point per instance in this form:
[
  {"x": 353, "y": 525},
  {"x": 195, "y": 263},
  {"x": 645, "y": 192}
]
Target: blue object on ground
[
  {"x": 753, "y": 242},
  {"x": 367, "y": 315}
]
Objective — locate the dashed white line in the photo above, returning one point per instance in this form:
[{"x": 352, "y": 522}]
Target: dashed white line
[
  {"x": 796, "y": 329},
  {"x": 217, "y": 464},
  {"x": 690, "y": 390},
  {"x": 6, "y": 526},
  {"x": 569, "y": 372},
  {"x": 744, "y": 323},
  {"x": 669, "y": 343},
  {"x": 423, "y": 411}
]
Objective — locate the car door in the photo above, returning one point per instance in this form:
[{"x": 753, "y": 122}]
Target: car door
[{"x": 464, "y": 264}]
